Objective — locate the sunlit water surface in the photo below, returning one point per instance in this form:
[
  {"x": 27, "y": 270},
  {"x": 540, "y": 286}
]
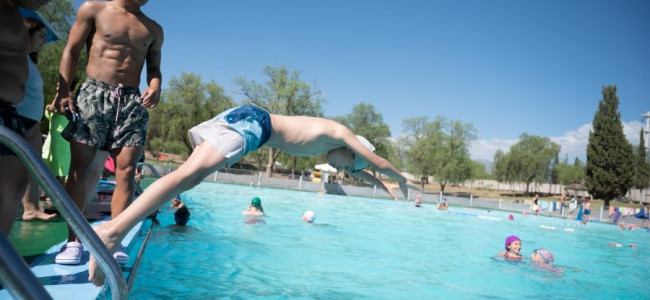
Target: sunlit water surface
[{"x": 363, "y": 248}]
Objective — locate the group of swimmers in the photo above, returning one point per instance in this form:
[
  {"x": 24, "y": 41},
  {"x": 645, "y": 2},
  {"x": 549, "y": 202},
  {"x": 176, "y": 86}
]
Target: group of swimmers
[
  {"x": 255, "y": 210},
  {"x": 442, "y": 204},
  {"x": 540, "y": 256}
]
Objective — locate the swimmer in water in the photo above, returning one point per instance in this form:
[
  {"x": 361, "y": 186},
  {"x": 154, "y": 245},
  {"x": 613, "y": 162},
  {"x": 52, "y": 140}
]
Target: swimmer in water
[
  {"x": 309, "y": 216},
  {"x": 255, "y": 208},
  {"x": 542, "y": 256},
  {"x": 513, "y": 247}
]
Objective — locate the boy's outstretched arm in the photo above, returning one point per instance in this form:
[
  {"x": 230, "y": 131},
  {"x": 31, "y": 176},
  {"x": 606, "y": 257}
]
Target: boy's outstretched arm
[{"x": 367, "y": 177}]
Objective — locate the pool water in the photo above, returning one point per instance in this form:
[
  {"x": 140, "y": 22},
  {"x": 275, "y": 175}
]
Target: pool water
[{"x": 363, "y": 248}]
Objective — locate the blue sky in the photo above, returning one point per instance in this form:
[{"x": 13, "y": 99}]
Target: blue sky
[{"x": 507, "y": 67}]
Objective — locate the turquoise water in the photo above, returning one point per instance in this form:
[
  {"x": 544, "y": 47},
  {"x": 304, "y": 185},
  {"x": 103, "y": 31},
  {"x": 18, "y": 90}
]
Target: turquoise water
[{"x": 362, "y": 248}]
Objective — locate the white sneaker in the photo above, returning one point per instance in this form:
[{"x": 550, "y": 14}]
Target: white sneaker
[
  {"x": 120, "y": 256},
  {"x": 70, "y": 254}
]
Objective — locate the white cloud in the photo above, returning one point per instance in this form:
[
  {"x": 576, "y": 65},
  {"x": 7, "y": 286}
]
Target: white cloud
[
  {"x": 573, "y": 143},
  {"x": 484, "y": 150}
]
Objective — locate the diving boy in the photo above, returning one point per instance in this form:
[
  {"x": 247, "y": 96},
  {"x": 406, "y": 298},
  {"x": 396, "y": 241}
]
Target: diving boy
[{"x": 223, "y": 140}]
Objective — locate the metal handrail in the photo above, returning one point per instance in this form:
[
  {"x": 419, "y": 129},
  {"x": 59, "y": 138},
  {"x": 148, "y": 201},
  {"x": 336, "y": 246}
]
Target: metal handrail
[
  {"x": 16, "y": 275},
  {"x": 68, "y": 210},
  {"x": 153, "y": 170},
  {"x": 138, "y": 260}
]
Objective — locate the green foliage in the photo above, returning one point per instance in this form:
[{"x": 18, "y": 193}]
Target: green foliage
[
  {"x": 60, "y": 15},
  {"x": 567, "y": 174},
  {"x": 478, "y": 170},
  {"x": 610, "y": 157},
  {"x": 284, "y": 94},
  {"x": 641, "y": 166},
  {"x": 529, "y": 160},
  {"x": 185, "y": 103},
  {"x": 439, "y": 148},
  {"x": 364, "y": 120}
]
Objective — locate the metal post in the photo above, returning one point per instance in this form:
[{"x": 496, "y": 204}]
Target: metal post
[
  {"x": 500, "y": 201},
  {"x": 300, "y": 183},
  {"x": 600, "y": 219},
  {"x": 374, "y": 191}
]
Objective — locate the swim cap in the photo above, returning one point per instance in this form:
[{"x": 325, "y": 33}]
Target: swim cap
[
  {"x": 309, "y": 216},
  {"x": 510, "y": 240},
  {"x": 256, "y": 202},
  {"x": 359, "y": 162},
  {"x": 546, "y": 255},
  {"x": 182, "y": 215}
]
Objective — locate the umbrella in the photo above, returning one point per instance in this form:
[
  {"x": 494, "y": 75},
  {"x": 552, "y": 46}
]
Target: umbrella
[{"x": 325, "y": 168}]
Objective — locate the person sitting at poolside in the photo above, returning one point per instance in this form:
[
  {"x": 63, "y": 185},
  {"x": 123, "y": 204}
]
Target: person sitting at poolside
[
  {"x": 177, "y": 203},
  {"x": 223, "y": 140},
  {"x": 255, "y": 208},
  {"x": 513, "y": 247},
  {"x": 644, "y": 215},
  {"x": 309, "y": 216}
]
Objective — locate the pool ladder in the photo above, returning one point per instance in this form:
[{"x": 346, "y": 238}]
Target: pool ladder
[{"x": 15, "y": 274}]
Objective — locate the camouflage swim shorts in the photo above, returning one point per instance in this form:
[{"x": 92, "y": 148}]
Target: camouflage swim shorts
[
  {"x": 110, "y": 116},
  {"x": 10, "y": 119}
]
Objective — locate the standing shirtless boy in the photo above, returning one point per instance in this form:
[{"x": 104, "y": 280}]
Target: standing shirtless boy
[
  {"x": 223, "y": 140},
  {"x": 112, "y": 112}
]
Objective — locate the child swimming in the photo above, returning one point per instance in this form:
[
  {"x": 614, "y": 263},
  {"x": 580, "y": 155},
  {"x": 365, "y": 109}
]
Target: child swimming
[{"x": 513, "y": 247}]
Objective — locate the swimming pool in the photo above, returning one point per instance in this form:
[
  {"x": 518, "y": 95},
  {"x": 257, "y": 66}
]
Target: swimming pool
[{"x": 363, "y": 248}]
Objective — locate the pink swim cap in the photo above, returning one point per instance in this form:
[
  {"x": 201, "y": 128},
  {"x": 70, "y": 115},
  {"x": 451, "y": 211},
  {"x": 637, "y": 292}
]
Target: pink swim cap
[{"x": 510, "y": 240}]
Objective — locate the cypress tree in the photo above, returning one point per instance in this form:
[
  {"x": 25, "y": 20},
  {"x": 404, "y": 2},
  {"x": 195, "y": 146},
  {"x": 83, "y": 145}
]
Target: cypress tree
[
  {"x": 641, "y": 167},
  {"x": 610, "y": 157}
]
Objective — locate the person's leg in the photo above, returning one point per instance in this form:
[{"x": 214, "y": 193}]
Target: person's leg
[
  {"x": 125, "y": 160},
  {"x": 82, "y": 161},
  {"x": 204, "y": 161},
  {"x": 12, "y": 187},
  {"x": 32, "y": 194}
]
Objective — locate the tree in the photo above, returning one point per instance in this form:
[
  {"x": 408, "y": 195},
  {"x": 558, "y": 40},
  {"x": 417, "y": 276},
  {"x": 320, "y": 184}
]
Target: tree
[
  {"x": 610, "y": 157},
  {"x": 567, "y": 174},
  {"x": 284, "y": 94},
  {"x": 420, "y": 143},
  {"x": 641, "y": 167},
  {"x": 439, "y": 148},
  {"x": 364, "y": 120},
  {"x": 60, "y": 15},
  {"x": 478, "y": 170},
  {"x": 529, "y": 160},
  {"x": 185, "y": 103}
]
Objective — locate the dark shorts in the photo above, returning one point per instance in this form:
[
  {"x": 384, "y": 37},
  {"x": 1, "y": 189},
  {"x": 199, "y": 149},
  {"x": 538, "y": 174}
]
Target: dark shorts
[
  {"x": 587, "y": 212},
  {"x": 9, "y": 118},
  {"x": 110, "y": 116}
]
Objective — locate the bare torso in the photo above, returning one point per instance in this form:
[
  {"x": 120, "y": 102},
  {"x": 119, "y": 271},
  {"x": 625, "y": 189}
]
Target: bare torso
[
  {"x": 119, "y": 45},
  {"x": 13, "y": 53},
  {"x": 305, "y": 136}
]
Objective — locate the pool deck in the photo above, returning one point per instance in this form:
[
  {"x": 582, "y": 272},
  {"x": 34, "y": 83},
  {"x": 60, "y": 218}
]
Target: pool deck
[{"x": 71, "y": 281}]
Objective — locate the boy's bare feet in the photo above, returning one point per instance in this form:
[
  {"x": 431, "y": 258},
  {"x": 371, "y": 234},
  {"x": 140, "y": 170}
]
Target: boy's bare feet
[{"x": 95, "y": 273}]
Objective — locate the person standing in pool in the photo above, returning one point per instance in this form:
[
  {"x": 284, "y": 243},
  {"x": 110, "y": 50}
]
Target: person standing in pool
[
  {"x": 255, "y": 208},
  {"x": 112, "y": 112},
  {"x": 223, "y": 140}
]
